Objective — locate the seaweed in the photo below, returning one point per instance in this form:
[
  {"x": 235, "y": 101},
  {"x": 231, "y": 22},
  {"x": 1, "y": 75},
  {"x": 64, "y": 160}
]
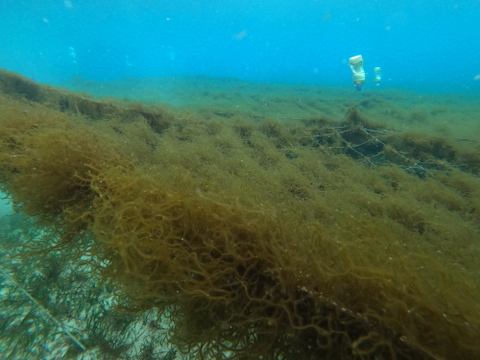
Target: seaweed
[{"x": 262, "y": 239}]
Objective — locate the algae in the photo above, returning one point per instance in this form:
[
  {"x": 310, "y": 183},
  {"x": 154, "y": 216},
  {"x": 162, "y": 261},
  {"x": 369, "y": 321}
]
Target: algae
[{"x": 269, "y": 238}]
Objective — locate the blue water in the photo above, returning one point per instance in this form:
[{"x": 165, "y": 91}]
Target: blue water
[{"x": 426, "y": 45}]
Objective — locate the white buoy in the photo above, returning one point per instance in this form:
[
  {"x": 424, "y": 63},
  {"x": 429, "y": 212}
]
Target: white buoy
[
  {"x": 377, "y": 75},
  {"x": 356, "y": 64}
]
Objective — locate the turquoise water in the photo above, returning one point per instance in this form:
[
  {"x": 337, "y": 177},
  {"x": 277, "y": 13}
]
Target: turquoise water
[
  {"x": 225, "y": 70},
  {"x": 431, "y": 46}
]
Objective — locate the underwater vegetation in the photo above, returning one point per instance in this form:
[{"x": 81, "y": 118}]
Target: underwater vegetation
[
  {"x": 259, "y": 238},
  {"x": 53, "y": 308}
]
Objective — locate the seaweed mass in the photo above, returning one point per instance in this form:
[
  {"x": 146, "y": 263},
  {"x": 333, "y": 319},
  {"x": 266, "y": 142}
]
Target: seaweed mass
[{"x": 262, "y": 238}]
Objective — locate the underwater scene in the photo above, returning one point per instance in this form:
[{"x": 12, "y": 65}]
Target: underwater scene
[{"x": 249, "y": 180}]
